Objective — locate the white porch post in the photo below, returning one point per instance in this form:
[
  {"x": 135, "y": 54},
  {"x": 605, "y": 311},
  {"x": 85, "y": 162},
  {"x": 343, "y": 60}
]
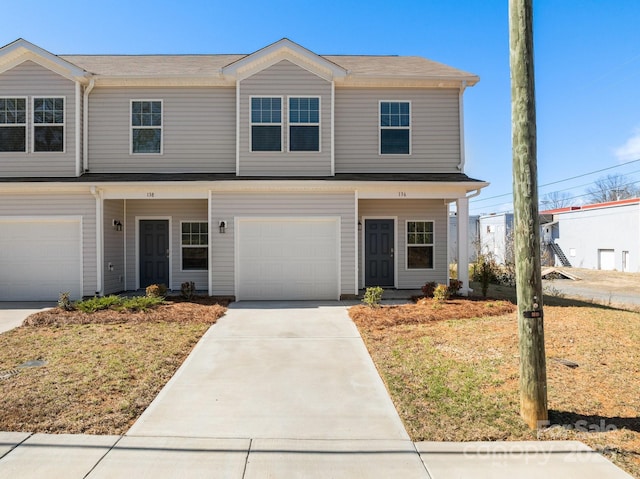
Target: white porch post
[{"x": 463, "y": 243}]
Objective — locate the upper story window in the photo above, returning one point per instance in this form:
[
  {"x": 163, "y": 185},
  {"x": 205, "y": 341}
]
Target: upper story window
[
  {"x": 13, "y": 124},
  {"x": 146, "y": 126},
  {"x": 395, "y": 128},
  {"x": 48, "y": 124},
  {"x": 304, "y": 124},
  {"x": 266, "y": 124},
  {"x": 419, "y": 244}
]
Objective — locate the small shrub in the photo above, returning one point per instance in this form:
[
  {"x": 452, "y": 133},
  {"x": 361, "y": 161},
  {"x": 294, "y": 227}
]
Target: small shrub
[
  {"x": 96, "y": 303},
  {"x": 428, "y": 289},
  {"x": 373, "y": 296},
  {"x": 188, "y": 289},
  {"x": 454, "y": 287},
  {"x": 64, "y": 301},
  {"x": 156, "y": 290},
  {"x": 441, "y": 293},
  {"x": 141, "y": 303}
]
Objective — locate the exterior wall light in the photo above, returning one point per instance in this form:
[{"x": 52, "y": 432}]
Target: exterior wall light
[
  {"x": 117, "y": 225},
  {"x": 223, "y": 226}
]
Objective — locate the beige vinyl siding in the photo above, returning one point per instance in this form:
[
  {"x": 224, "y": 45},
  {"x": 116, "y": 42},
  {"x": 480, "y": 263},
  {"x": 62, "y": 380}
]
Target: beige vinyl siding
[
  {"x": 113, "y": 247},
  {"x": 63, "y": 204},
  {"x": 435, "y": 131},
  {"x": 407, "y": 210},
  {"x": 176, "y": 211},
  {"x": 32, "y": 80},
  {"x": 198, "y": 131},
  {"x": 227, "y": 206},
  {"x": 285, "y": 79}
]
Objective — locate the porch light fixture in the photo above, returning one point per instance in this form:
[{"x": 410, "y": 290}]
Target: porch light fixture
[
  {"x": 223, "y": 226},
  {"x": 359, "y": 225},
  {"x": 117, "y": 225}
]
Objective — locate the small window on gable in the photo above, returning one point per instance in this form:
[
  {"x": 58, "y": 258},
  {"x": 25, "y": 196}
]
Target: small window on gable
[
  {"x": 304, "y": 124},
  {"x": 419, "y": 244},
  {"x": 48, "y": 124},
  {"x": 146, "y": 126},
  {"x": 266, "y": 124},
  {"x": 13, "y": 124},
  {"x": 395, "y": 128},
  {"x": 195, "y": 246}
]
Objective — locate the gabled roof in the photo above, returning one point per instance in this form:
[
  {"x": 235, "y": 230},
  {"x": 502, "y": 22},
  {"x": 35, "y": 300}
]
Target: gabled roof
[
  {"x": 226, "y": 69},
  {"x": 284, "y": 49},
  {"x": 21, "y": 50}
]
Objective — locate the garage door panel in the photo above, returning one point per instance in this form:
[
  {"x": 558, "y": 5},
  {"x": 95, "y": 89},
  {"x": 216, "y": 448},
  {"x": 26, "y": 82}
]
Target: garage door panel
[
  {"x": 285, "y": 258},
  {"x": 40, "y": 258}
]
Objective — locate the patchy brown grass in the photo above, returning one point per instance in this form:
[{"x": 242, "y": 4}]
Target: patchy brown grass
[
  {"x": 102, "y": 370},
  {"x": 458, "y": 379}
]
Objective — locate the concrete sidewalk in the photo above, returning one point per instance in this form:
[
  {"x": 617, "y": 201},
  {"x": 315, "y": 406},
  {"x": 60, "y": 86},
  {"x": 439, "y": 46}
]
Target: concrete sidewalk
[
  {"x": 283, "y": 390},
  {"x": 12, "y": 314}
]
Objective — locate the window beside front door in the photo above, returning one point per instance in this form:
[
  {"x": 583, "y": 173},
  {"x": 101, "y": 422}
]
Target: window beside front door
[
  {"x": 195, "y": 245},
  {"x": 395, "y": 128},
  {"x": 419, "y": 244},
  {"x": 266, "y": 124}
]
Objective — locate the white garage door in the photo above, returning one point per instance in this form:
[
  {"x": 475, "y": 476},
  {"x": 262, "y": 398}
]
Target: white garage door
[
  {"x": 39, "y": 258},
  {"x": 287, "y": 259}
]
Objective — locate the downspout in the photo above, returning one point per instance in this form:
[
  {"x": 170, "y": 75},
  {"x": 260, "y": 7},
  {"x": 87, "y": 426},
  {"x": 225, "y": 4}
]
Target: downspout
[
  {"x": 85, "y": 126},
  {"x": 333, "y": 123},
  {"x": 78, "y": 119},
  {"x": 97, "y": 194},
  {"x": 463, "y": 85},
  {"x": 477, "y": 192}
]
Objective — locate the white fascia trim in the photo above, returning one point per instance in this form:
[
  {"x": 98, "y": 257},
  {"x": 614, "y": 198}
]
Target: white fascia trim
[{"x": 21, "y": 50}]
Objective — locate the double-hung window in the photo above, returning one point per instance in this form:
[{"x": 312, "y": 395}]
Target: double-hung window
[
  {"x": 195, "y": 245},
  {"x": 48, "y": 124},
  {"x": 395, "y": 128},
  {"x": 304, "y": 124},
  {"x": 146, "y": 126},
  {"x": 419, "y": 244},
  {"x": 266, "y": 124},
  {"x": 13, "y": 124}
]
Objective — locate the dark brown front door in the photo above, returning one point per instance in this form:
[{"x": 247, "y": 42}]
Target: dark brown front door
[{"x": 154, "y": 252}]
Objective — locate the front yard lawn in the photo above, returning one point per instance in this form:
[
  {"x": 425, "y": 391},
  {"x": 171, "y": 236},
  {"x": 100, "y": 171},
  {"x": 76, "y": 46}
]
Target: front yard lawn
[
  {"x": 454, "y": 376},
  {"x": 101, "y": 370}
]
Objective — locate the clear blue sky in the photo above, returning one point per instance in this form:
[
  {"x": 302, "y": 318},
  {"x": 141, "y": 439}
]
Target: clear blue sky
[{"x": 587, "y": 60}]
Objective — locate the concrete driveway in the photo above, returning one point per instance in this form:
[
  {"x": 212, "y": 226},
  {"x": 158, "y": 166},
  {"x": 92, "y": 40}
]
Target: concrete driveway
[{"x": 12, "y": 314}]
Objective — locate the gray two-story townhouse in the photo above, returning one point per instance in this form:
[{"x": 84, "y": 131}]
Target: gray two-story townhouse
[{"x": 282, "y": 174}]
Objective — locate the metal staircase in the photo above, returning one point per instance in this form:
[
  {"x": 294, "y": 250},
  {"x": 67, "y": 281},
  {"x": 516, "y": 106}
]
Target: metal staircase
[{"x": 560, "y": 254}]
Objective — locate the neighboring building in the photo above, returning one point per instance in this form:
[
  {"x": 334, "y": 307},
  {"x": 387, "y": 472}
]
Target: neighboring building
[
  {"x": 496, "y": 236},
  {"x": 473, "y": 238},
  {"x": 601, "y": 236},
  {"x": 281, "y": 174}
]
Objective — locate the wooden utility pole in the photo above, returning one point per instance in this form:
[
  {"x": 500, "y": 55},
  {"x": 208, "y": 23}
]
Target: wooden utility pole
[{"x": 533, "y": 374}]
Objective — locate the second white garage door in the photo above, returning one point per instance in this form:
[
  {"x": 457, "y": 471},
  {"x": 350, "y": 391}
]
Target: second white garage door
[
  {"x": 287, "y": 259},
  {"x": 40, "y": 258}
]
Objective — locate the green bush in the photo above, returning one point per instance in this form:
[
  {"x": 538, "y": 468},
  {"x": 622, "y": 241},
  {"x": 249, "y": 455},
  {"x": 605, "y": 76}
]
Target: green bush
[
  {"x": 118, "y": 303},
  {"x": 97, "y": 303},
  {"x": 373, "y": 296}
]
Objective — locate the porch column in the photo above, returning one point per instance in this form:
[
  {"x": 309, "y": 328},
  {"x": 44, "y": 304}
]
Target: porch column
[{"x": 463, "y": 243}]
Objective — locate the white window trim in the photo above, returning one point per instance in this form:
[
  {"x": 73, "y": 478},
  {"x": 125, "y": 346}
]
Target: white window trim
[
  {"x": 33, "y": 125},
  {"x": 281, "y": 124},
  {"x": 407, "y": 245},
  {"x": 380, "y": 127},
  {"x": 182, "y": 270},
  {"x": 318, "y": 124},
  {"x": 161, "y": 127},
  {"x": 25, "y": 124}
]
